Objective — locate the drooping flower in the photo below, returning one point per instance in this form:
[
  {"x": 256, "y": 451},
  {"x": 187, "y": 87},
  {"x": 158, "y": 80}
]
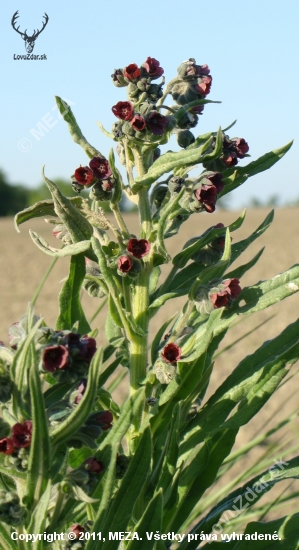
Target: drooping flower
[
  {"x": 21, "y": 434},
  {"x": 94, "y": 466},
  {"x": 132, "y": 72},
  {"x": 124, "y": 264},
  {"x": 152, "y": 67},
  {"x": 224, "y": 297},
  {"x": 216, "y": 179},
  {"x": 100, "y": 168},
  {"x": 138, "y": 247},
  {"x": 138, "y": 123},
  {"x": 105, "y": 419},
  {"x": 203, "y": 85},
  {"x": 241, "y": 147},
  {"x": 6, "y": 446},
  {"x": 123, "y": 110},
  {"x": 78, "y": 530},
  {"x": 81, "y": 390},
  {"x": 55, "y": 358},
  {"x": 207, "y": 196},
  {"x": 171, "y": 353},
  {"x": 157, "y": 123},
  {"x": 87, "y": 347},
  {"x": 84, "y": 175}
]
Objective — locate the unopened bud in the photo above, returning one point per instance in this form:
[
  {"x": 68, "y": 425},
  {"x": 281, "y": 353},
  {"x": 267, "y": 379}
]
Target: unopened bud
[{"x": 185, "y": 138}]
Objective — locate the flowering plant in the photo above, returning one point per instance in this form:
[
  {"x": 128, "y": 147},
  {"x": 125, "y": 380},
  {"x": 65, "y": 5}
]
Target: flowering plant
[{"x": 73, "y": 463}]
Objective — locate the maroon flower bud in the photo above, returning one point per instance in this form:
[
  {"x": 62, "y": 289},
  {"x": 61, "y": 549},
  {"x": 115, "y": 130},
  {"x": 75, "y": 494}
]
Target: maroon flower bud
[
  {"x": 21, "y": 434},
  {"x": 6, "y": 446},
  {"x": 198, "y": 110},
  {"x": 105, "y": 419},
  {"x": 124, "y": 264},
  {"x": 138, "y": 123},
  {"x": 204, "y": 85},
  {"x": 221, "y": 299},
  {"x": 107, "y": 185},
  {"x": 233, "y": 287},
  {"x": 171, "y": 353},
  {"x": 220, "y": 241},
  {"x": 230, "y": 159},
  {"x": 118, "y": 78},
  {"x": 94, "y": 466},
  {"x": 157, "y": 123},
  {"x": 152, "y": 67},
  {"x": 88, "y": 347},
  {"x": 78, "y": 530},
  {"x": 138, "y": 247},
  {"x": 207, "y": 195},
  {"x": 84, "y": 175},
  {"x": 123, "y": 110},
  {"x": 132, "y": 72},
  {"x": 100, "y": 168},
  {"x": 55, "y": 358},
  {"x": 216, "y": 179},
  {"x": 241, "y": 147}
]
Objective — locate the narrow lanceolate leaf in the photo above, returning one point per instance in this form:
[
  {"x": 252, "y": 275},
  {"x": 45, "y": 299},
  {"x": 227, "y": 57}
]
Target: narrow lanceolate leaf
[
  {"x": 69, "y": 250},
  {"x": 121, "y": 509},
  {"x": 242, "y": 498},
  {"x": 78, "y": 226},
  {"x": 167, "y": 162},
  {"x": 70, "y": 307},
  {"x": 118, "y": 181},
  {"x": 195, "y": 244},
  {"x": 74, "y": 129},
  {"x": 250, "y": 385},
  {"x": 40, "y": 450},
  {"x": 6, "y": 541},
  {"x": 242, "y": 269},
  {"x": 76, "y": 419},
  {"x": 150, "y": 522},
  {"x": 238, "y": 248},
  {"x": 198, "y": 476},
  {"x": 39, "y": 516},
  {"x": 241, "y": 174},
  {"x": 41, "y": 208}
]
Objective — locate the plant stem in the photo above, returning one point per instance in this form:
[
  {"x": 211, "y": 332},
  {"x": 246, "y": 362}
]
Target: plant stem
[
  {"x": 120, "y": 221},
  {"x": 41, "y": 284},
  {"x": 139, "y": 343}
]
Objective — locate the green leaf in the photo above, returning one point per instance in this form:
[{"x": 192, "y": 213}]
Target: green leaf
[
  {"x": 41, "y": 208},
  {"x": 246, "y": 496},
  {"x": 68, "y": 250},
  {"x": 241, "y": 174},
  {"x": 78, "y": 226},
  {"x": 239, "y": 247},
  {"x": 242, "y": 269},
  {"x": 74, "y": 129},
  {"x": 70, "y": 307},
  {"x": 167, "y": 162},
  {"x": 196, "y": 243},
  {"x": 7, "y": 542},
  {"x": 76, "y": 419},
  {"x": 40, "y": 450},
  {"x": 118, "y": 181},
  {"x": 39, "y": 516},
  {"x": 123, "y": 503},
  {"x": 150, "y": 522},
  {"x": 250, "y": 384}
]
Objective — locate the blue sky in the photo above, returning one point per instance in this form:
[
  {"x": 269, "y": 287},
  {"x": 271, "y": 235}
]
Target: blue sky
[{"x": 251, "y": 49}]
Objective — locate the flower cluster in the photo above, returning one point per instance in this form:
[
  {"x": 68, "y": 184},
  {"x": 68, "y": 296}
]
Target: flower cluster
[
  {"x": 216, "y": 295},
  {"x": 233, "y": 149},
  {"x": 68, "y": 355},
  {"x": 203, "y": 192},
  {"x": 20, "y": 438},
  {"x": 98, "y": 175},
  {"x": 213, "y": 251},
  {"x": 193, "y": 83},
  {"x": 129, "y": 263}
]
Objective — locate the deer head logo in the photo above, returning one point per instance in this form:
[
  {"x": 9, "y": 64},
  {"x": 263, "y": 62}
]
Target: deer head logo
[{"x": 29, "y": 40}]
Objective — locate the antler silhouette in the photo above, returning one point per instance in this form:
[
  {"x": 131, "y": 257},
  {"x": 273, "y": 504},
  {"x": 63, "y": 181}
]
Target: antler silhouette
[
  {"x": 13, "y": 21},
  {"x": 35, "y": 34}
]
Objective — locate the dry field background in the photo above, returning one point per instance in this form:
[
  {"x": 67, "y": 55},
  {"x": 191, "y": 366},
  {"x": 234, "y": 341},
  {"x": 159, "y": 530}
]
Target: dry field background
[{"x": 23, "y": 265}]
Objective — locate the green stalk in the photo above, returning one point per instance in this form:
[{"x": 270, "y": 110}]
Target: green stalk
[{"x": 139, "y": 343}]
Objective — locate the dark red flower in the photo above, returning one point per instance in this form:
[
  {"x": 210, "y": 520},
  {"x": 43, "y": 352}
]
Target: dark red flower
[
  {"x": 233, "y": 287},
  {"x": 105, "y": 419},
  {"x": 6, "y": 446},
  {"x": 78, "y": 530},
  {"x": 84, "y": 175},
  {"x": 123, "y": 110},
  {"x": 197, "y": 110},
  {"x": 132, "y": 72},
  {"x": 107, "y": 185},
  {"x": 118, "y": 78},
  {"x": 94, "y": 466},
  {"x": 157, "y": 123},
  {"x": 241, "y": 147},
  {"x": 230, "y": 159},
  {"x": 21, "y": 434},
  {"x": 124, "y": 264},
  {"x": 224, "y": 297},
  {"x": 55, "y": 358},
  {"x": 88, "y": 347},
  {"x": 216, "y": 179},
  {"x": 171, "y": 353},
  {"x": 138, "y": 247},
  {"x": 152, "y": 67},
  {"x": 220, "y": 241},
  {"x": 138, "y": 123},
  {"x": 100, "y": 168},
  {"x": 204, "y": 85},
  {"x": 207, "y": 195}
]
